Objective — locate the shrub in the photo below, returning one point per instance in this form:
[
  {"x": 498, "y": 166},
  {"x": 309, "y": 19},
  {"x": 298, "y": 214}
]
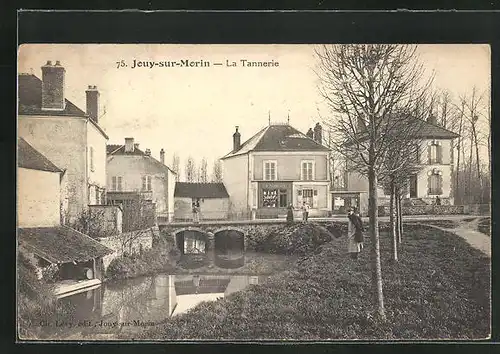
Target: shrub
[{"x": 149, "y": 262}]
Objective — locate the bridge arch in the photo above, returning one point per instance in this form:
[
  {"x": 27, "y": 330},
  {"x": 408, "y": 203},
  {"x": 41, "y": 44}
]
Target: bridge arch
[
  {"x": 229, "y": 247},
  {"x": 191, "y": 240}
]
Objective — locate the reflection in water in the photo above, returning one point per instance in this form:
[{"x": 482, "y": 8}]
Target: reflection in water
[{"x": 144, "y": 302}]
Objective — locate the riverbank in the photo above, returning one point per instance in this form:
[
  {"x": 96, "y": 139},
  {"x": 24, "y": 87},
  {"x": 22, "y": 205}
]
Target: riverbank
[{"x": 440, "y": 289}]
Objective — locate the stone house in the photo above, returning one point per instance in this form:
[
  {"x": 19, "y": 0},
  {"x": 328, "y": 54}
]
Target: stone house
[
  {"x": 212, "y": 197},
  {"x": 70, "y": 137},
  {"x": 76, "y": 257},
  {"x": 132, "y": 171},
  {"x": 276, "y": 167},
  {"x": 435, "y": 162}
]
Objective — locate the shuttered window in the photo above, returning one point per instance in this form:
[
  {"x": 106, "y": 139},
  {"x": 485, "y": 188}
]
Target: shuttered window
[
  {"x": 435, "y": 152},
  {"x": 270, "y": 171},
  {"x": 307, "y": 172},
  {"x": 146, "y": 183},
  {"x": 435, "y": 184},
  {"x": 116, "y": 183}
]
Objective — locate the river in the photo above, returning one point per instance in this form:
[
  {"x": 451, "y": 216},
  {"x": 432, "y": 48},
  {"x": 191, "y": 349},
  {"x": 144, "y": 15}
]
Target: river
[{"x": 139, "y": 303}]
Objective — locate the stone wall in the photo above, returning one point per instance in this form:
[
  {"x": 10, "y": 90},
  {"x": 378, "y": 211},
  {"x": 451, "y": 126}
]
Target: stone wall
[
  {"x": 142, "y": 239},
  {"x": 426, "y": 210}
]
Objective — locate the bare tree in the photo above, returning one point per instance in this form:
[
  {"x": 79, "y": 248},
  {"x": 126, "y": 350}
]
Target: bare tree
[
  {"x": 92, "y": 223},
  {"x": 176, "y": 166},
  {"x": 369, "y": 90},
  {"x": 217, "y": 172},
  {"x": 203, "y": 174},
  {"x": 139, "y": 217},
  {"x": 190, "y": 170}
]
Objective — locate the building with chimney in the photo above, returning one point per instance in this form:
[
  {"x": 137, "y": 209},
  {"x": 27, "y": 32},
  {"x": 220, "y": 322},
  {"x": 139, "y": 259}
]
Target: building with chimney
[
  {"x": 434, "y": 177},
  {"x": 76, "y": 257},
  {"x": 276, "y": 167},
  {"x": 132, "y": 173},
  {"x": 70, "y": 137}
]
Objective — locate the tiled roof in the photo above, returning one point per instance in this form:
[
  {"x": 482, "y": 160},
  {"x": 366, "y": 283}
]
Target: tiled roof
[
  {"x": 29, "y": 157},
  {"x": 422, "y": 129},
  {"x": 61, "y": 244},
  {"x": 278, "y": 137},
  {"x": 30, "y": 99},
  {"x": 115, "y": 149},
  {"x": 119, "y": 150},
  {"x": 430, "y": 130},
  {"x": 200, "y": 190}
]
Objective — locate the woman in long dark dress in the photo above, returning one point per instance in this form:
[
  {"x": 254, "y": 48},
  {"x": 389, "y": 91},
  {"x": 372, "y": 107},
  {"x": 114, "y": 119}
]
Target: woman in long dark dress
[{"x": 289, "y": 214}]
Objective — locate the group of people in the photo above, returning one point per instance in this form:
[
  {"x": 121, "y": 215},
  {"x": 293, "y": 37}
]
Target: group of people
[
  {"x": 305, "y": 212},
  {"x": 354, "y": 227}
]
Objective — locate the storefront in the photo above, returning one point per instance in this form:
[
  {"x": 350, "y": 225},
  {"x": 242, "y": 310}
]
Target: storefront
[{"x": 273, "y": 198}]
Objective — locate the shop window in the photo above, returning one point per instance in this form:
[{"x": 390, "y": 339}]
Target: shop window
[{"x": 307, "y": 196}]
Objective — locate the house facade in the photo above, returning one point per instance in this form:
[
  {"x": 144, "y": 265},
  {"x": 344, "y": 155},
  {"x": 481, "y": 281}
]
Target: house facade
[
  {"x": 277, "y": 167},
  {"x": 212, "y": 198},
  {"x": 131, "y": 171},
  {"x": 434, "y": 163},
  {"x": 46, "y": 243},
  {"x": 71, "y": 138}
]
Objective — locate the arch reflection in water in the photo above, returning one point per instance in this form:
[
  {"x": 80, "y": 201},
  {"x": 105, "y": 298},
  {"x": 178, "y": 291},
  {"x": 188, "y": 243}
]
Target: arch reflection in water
[{"x": 229, "y": 247}]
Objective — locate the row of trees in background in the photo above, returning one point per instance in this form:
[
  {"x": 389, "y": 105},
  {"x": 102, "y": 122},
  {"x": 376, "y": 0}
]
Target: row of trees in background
[{"x": 197, "y": 172}]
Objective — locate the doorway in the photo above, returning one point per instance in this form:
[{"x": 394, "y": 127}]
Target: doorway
[{"x": 413, "y": 186}]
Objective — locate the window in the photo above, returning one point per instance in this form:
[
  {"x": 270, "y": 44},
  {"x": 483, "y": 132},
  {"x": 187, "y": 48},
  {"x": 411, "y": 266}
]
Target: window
[
  {"x": 307, "y": 196},
  {"x": 97, "y": 196},
  {"x": 92, "y": 167},
  {"x": 307, "y": 171},
  {"x": 269, "y": 198},
  {"x": 146, "y": 183},
  {"x": 270, "y": 171},
  {"x": 116, "y": 183},
  {"x": 416, "y": 154},
  {"x": 435, "y": 153},
  {"x": 435, "y": 183}
]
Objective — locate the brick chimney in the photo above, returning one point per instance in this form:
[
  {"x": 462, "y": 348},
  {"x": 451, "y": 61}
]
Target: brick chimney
[
  {"x": 236, "y": 140},
  {"x": 162, "y": 156},
  {"x": 53, "y": 86},
  {"x": 318, "y": 133},
  {"x": 310, "y": 133},
  {"x": 129, "y": 145},
  {"x": 93, "y": 103}
]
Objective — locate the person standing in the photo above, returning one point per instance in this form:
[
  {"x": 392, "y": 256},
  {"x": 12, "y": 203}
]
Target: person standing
[
  {"x": 438, "y": 200},
  {"x": 305, "y": 211},
  {"x": 289, "y": 214},
  {"x": 354, "y": 233},
  {"x": 195, "y": 213}
]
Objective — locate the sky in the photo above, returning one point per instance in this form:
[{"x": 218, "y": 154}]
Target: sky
[{"x": 193, "y": 111}]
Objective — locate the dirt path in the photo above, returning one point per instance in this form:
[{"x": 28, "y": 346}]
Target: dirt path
[{"x": 468, "y": 230}]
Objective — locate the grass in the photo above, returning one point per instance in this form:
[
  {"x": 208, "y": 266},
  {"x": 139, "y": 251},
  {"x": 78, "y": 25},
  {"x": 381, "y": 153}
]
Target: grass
[
  {"x": 445, "y": 224},
  {"x": 438, "y": 290}
]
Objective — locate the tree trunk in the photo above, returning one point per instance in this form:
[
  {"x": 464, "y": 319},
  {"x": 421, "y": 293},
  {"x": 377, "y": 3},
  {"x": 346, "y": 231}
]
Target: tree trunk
[
  {"x": 375, "y": 241},
  {"x": 392, "y": 212},
  {"x": 399, "y": 226},
  {"x": 400, "y": 215},
  {"x": 457, "y": 192},
  {"x": 477, "y": 162}
]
